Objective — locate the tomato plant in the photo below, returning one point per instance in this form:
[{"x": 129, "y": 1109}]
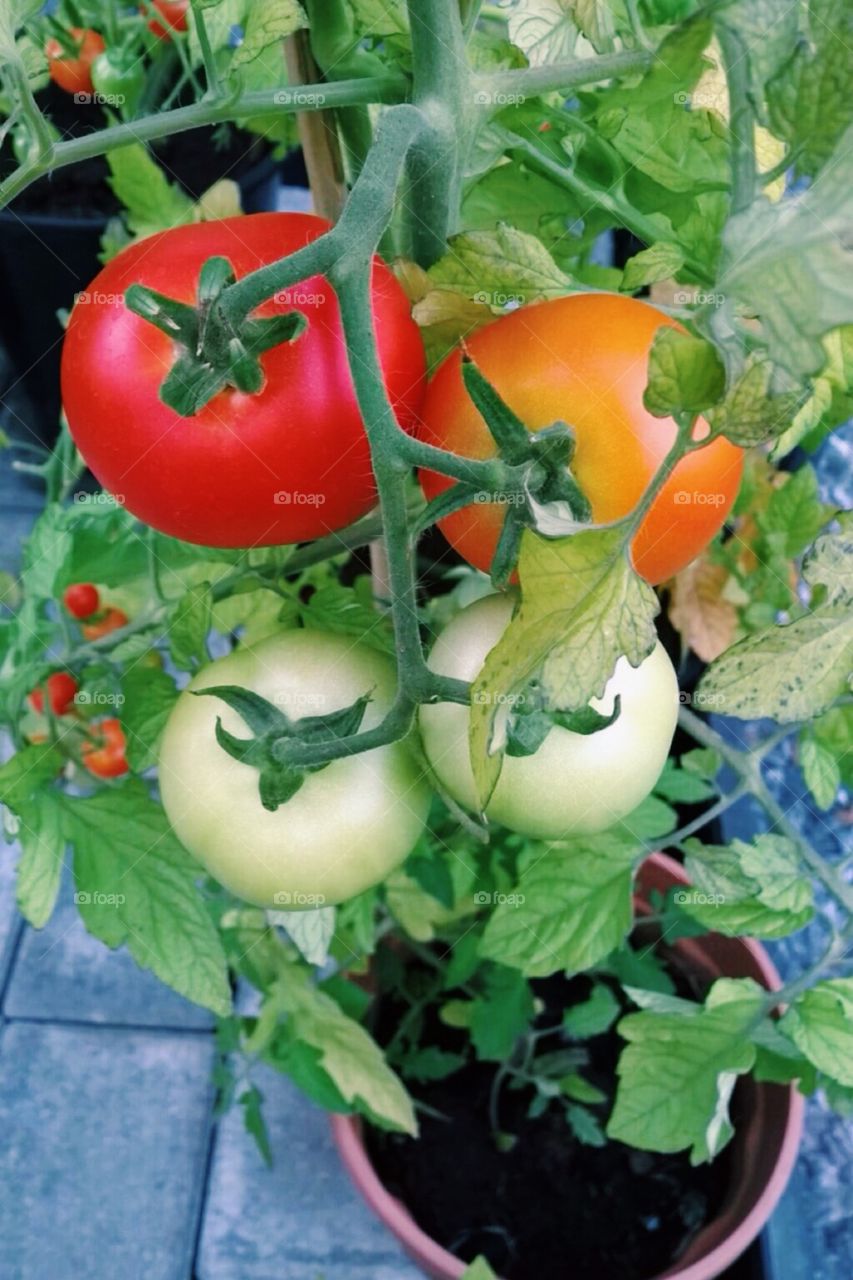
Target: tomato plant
[
  {"x": 583, "y": 360},
  {"x": 572, "y": 782},
  {"x": 619, "y": 237},
  {"x": 72, "y": 71},
  {"x": 288, "y": 464},
  {"x": 346, "y": 827}
]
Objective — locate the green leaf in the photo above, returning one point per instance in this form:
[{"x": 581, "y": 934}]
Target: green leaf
[
  {"x": 808, "y": 100},
  {"x": 820, "y": 1023},
  {"x": 544, "y": 32},
  {"x": 821, "y": 771},
  {"x": 639, "y": 969},
  {"x": 479, "y": 1270},
  {"x": 682, "y": 786},
  {"x": 829, "y": 564},
  {"x": 790, "y": 265},
  {"x": 574, "y": 908},
  {"x": 595, "y": 1016},
  {"x": 582, "y": 608},
  {"x": 502, "y": 1014},
  {"x": 26, "y": 772},
  {"x": 267, "y": 24},
  {"x": 757, "y": 890},
  {"x": 749, "y": 413},
  {"x": 149, "y": 696},
  {"x": 787, "y": 673},
  {"x": 137, "y": 885},
  {"x": 659, "y": 262},
  {"x": 350, "y": 1057},
  {"x": 834, "y": 731},
  {"x": 430, "y": 1063},
  {"x": 42, "y": 856},
  {"x": 152, "y": 202},
  {"x": 189, "y": 625},
  {"x": 576, "y": 1087},
  {"x": 685, "y": 374},
  {"x": 678, "y": 1072},
  {"x": 795, "y": 512},
  {"x": 311, "y": 931},
  {"x": 651, "y": 820},
  {"x": 500, "y": 266},
  {"x": 251, "y": 1101},
  {"x": 585, "y": 1126}
]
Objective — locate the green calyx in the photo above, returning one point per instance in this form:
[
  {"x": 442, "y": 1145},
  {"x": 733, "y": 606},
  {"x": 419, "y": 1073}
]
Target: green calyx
[
  {"x": 274, "y": 732},
  {"x": 213, "y": 353},
  {"x": 540, "y": 460}
]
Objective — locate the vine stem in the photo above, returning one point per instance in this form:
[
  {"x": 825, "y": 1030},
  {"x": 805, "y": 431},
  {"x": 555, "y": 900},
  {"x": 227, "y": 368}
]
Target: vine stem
[
  {"x": 442, "y": 92},
  {"x": 749, "y": 769},
  {"x": 257, "y": 102},
  {"x": 741, "y": 118},
  {"x": 646, "y": 229}
]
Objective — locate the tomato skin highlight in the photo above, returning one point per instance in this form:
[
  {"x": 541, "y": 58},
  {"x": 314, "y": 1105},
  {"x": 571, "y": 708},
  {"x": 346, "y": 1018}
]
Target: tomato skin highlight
[
  {"x": 62, "y": 689},
  {"x": 73, "y": 73},
  {"x": 286, "y": 465},
  {"x": 349, "y": 824},
  {"x": 574, "y": 784},
  {"x": 106, "y": 757},
  {"x": 111, "y": 619},
  {"x": 174, "y": 15},
  {"x": 81, "y": 599},
  {"x": 583, "y": 360}
]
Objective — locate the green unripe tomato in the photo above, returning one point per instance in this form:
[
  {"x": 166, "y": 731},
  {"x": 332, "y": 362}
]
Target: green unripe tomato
[
  {"x": 574, "y": 784},
  {"x": 119, "y": 79},
  {"x": 347, "y": 826}
]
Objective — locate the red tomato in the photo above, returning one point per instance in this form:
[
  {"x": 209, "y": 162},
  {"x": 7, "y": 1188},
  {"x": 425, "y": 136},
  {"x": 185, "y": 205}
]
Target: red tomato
[
  {"x": 174, "y": 15},
  {"x": 583, "y": 360},
  {"x": 61, "y": 691},
  {"x": 73, "y": 72},
  {"x": 285, "y": 465},
  {"x": 105, "y": 757},
  {"x": 81, "y": 599},
  {"x": 110, "y": 620}
]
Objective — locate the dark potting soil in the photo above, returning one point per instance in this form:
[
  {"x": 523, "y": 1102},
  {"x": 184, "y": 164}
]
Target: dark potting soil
[
  {"x": 550, "y": 1206},
  {"x": 195, "y": 159}
]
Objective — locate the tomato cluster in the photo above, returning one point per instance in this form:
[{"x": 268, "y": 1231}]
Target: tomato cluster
[{"x": 290, "y": 462}]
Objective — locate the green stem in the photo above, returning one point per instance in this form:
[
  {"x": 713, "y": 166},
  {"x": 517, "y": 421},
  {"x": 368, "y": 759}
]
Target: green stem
[
  {"x": 529, "y": 81},
  {"x": 741, "y": 118},
  {"x": 623, "y": 213},
  {"x": 442, "y": 91},
  {"x": 211, "y": 71},
  {"x": 257, "y": 102},
  {"x": 749, "y": 769}
]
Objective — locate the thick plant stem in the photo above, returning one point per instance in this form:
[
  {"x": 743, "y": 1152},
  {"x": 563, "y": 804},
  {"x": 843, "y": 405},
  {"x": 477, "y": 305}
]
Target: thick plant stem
[{"x": 442, "y": 91}]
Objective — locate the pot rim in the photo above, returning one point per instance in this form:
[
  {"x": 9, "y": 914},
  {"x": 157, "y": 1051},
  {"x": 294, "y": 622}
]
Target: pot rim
[{"x": 439, "y": 1262}]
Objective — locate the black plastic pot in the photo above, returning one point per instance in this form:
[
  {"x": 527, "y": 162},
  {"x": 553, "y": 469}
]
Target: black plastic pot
[{"x": 44, "y": 260}]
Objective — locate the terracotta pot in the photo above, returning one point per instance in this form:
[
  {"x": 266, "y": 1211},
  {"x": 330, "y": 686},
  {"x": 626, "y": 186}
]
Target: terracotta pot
[{"x": 764, "y": 1149}]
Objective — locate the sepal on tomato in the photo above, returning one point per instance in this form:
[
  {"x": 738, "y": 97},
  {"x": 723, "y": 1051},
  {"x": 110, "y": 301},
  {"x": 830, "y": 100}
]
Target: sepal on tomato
[
  {"x": 268, "y": 751},
  {"x": 213, "y": 353}
]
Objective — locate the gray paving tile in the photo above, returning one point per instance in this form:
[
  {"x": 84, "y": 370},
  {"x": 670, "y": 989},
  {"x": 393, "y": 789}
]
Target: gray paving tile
[
  {"x": 10, "y": 921},
  {"x": 300, "y": 1220},
  {"x": 63, "y": 973},
  {"x": 105, "y": 1135}
]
